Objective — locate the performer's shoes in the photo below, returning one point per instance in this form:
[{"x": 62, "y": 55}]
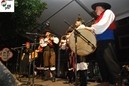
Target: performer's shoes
[
  {"x": 53, "y": 79},
  {"x": 66, "y": 82}
]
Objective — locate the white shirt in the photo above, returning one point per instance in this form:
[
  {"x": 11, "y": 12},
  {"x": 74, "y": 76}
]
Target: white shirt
[
  {"x": 104, "y": 23},
  {"x": 82, "y": 66},
  {"x": 43, "y": 42}
]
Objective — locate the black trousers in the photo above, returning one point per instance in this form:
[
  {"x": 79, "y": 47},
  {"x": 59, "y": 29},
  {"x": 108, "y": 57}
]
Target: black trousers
[
  {"x": 82, "y": 73},
  {"x": 83, "y": 77},
  {"x": 107, "y": 60}
]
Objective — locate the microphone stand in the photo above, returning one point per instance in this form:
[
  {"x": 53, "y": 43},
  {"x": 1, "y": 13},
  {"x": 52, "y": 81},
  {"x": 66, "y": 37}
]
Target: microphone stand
[
  {"x": 76, "y": 78},
  {"x": 17, "y": 60},
  {"x": 81, "y": 36},
  {"x": 33, "y": 62}
]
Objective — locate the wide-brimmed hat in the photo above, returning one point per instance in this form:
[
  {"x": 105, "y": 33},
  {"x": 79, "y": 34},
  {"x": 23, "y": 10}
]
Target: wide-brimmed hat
[{"x": 102, "y": 4}]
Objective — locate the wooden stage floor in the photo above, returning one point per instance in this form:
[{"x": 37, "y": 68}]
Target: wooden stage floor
[{"x": 41, "y": 82}]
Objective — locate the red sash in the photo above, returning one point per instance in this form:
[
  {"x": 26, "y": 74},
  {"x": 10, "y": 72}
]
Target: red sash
[{"x": 112, "y": 25}]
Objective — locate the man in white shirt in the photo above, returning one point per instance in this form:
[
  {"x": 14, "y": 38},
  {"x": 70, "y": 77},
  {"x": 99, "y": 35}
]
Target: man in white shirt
[
  {"x": 49, "y": 56},
  {"x": 105, "y": 53}
]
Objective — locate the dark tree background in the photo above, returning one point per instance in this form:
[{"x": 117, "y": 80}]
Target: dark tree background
[{"x": 14, "y": 25}]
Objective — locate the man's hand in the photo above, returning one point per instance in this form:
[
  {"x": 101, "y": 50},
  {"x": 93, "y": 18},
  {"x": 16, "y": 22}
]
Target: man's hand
[{"x": 90, "y": 29}]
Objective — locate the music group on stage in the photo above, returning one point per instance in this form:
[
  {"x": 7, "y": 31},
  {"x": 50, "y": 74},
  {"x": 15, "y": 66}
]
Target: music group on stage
[
  {"x": 78, "y": 42},
  {"x": 45, "y": 56}
]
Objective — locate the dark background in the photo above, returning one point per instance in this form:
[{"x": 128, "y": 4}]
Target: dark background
[{"x": 10, "y": 39}]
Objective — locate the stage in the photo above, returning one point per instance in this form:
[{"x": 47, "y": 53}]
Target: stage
[{"x": 41, "y": 82}]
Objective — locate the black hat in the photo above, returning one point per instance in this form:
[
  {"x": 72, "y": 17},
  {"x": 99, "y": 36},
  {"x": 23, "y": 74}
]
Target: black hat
[{"x": 103, "y": 4}]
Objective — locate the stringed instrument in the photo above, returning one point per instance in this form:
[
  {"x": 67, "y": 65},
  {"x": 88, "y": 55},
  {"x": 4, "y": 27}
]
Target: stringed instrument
[
  {"x": 34, "y": 54},
  {"x": 40, "y": 49}
]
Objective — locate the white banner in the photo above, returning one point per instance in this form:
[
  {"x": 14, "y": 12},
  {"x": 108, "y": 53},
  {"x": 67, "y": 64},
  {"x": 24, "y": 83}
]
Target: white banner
[{"x": 6, "y": 5}]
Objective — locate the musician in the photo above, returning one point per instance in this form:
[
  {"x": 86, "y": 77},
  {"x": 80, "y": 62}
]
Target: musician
[
  {"x": 70, "y": 58},
  {"x": 39, "y": 60},
  {"x": 49, "y": 56},
  {"x": 104, "y": 27},
  {"x": 25, "y": 60},
  {"x": 63, "y": 44},
  {"x": 63, "y": 56},
  {"x": 66, "y": 59},
  {"x": 81, "y": 60}
]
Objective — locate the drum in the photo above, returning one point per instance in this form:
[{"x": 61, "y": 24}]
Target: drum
[{"x": 86, "y": 42}]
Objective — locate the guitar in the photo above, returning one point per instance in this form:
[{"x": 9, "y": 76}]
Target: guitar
[{"x": 34, "y": 54}]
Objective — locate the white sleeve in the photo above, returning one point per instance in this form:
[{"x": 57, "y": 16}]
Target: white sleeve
[
  {"x": 104, "y": 23},
  {"x": 55, "y": 40},
  {"x": 42, "y": 43},
  {"x": 81, "y": 27}
]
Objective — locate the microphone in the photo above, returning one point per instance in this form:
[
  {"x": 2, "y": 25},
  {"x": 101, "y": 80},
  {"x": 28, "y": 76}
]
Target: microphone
[
  {"x": 16, "y": 48},
  {"x": 32, "y": 44},
  {"x": 12, "y": 48},
  {"x": 31, "y": 33},
  {"x": 23, "y": 44},
  {"x": 37, "y": 34}
]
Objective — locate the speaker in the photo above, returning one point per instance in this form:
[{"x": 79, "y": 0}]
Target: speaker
[{"x": 6, "y": 77}]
